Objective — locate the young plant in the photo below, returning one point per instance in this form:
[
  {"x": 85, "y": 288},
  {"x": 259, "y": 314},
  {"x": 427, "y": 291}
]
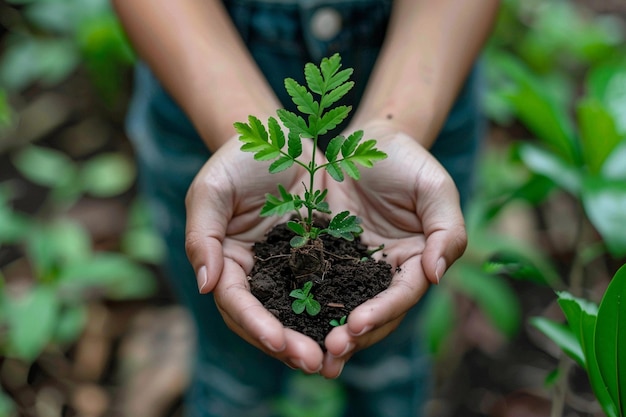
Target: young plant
[
  {"x": 340, "y": 322},
  {"x": 304, "y": 300},
  {"x": 330, "y": 84}
]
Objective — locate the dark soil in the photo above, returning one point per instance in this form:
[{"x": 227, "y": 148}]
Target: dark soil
[{"x": 350, "y": 277}]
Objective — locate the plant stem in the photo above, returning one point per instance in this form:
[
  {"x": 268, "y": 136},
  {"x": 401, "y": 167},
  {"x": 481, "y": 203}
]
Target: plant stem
[{"x": 309, "y": 219}]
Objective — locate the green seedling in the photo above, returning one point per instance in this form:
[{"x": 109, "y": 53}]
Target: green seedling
[
  {"x": 340, "y": 322},
  {"x": 343, "y": 155},
  {"x": 304, "y": 300}
]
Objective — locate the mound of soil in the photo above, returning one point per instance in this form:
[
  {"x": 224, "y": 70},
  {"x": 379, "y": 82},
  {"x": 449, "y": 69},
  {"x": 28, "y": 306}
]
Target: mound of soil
[{"x": 350, "y": 278}]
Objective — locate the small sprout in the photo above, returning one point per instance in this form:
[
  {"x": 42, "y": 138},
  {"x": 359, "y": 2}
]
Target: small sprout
[
  {"x": 304, "y": 300},
  {"x": 374, "y": 250},
  {"x": 340, "y": 322}
]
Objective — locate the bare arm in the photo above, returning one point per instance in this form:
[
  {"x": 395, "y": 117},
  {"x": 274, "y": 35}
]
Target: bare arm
[
  {"x": 429, "y": 50},
  {"x": 194, "y": 49}
]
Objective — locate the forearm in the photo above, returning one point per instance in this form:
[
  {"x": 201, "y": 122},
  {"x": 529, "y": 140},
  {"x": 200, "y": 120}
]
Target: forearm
[
  {"x": 195, "y": 51},
  {"x": 429, "y": 50}
]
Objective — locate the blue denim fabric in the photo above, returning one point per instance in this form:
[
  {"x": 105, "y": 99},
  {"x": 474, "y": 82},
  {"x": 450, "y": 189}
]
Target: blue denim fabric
[{"x": 232, "y": 378}]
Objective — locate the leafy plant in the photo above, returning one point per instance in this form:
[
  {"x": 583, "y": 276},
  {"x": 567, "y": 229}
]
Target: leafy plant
[
  {"x": 595, "y": 338},
  {"x": 343, "y": 154},
  {"x": 304, "y": 300},
  {"x": 340, "y": 322}
]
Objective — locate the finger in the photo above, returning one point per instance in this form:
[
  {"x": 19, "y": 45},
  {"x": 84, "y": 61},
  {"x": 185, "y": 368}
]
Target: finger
[
  {"x": 444, "y": 228},
  {"x": 341, "y": 345},
  {"x": 247, "y": 317},
  {"x": 207, "y": 218}
]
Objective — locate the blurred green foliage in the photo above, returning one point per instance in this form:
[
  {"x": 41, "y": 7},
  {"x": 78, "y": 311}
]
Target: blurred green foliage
[{"x": 48, "y": 40}]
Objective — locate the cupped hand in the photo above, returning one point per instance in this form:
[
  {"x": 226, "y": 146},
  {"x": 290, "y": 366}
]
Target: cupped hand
[
  {"x": 223, "y": 205},
  {"x": 409, "y": 203}
]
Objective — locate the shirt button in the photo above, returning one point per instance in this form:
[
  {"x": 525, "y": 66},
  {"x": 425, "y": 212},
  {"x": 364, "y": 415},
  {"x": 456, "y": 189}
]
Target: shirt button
[{"x": 325, "y": 23}]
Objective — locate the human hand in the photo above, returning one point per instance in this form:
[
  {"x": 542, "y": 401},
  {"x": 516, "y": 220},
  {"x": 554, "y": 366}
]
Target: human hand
[
  {"x": 223, "y": 205},
  {"x": 409, "y": 203}
]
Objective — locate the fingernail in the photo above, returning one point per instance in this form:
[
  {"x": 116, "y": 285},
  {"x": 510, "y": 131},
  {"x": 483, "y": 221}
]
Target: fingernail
[
  {"x": 348, "y": 349},
  {"x": 202, "y": 278},
  {"x": 303, "y": 366},
  {"x": 343, "y": 363},
  {"x": 440, "y": 269},
  {"x": 365, "y": 330},
  {"x": 267, "y": 344}
]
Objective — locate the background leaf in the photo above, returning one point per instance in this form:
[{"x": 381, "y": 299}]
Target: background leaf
[
  {"x": 32, "y": 320},
  {"x": 610, "y": 339}
]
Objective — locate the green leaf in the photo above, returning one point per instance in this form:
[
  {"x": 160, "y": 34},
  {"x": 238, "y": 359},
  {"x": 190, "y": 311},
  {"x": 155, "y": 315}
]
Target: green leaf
[
  {"x": 546, "y": 119},
  {"x": 277, "y": 206},
  {"x": 581, "y": 316},
  {"x": 588, "y": 325},
  {"x": 604, "y": 201},
  {"x": 301, "y": 97},
  {"x": 329, "y": 67},
  {"x": 108, "y": 175},
  {"x": 573, "y": 308},
  {"x": 255, "y": 139},
  {"x": 298, "y": 241},
  {"x": 606, "y": 83},
  {"x": 563, "y": 336},
  {"x": 45, "y": 166},
  {"x": 495, "y": 298},
  {"x": 277, "y": 137},
  {"x": 335, "y": 95},
  {"x": 297, "y": 228},
  {"x": 295, "y": 124},
  {"x": 298, "y": 306},
  {"x": 313, "y": 307},
  {"x": 331, "y": 119},
  {"x": 333, "y": 148},
  {"x": 349, "y": 146},
  {"x": 31, "y": 320},
  {"x": 351, "y": 169},
  {"x": 53, "y": 246},
  {"x": 281, "y": 164},
  {"x": 70, "y": 323},
  {"x": 546, "y": 163},
  {"x": 314, "y": 78},
  {"x": 294, "y": 145},
  {"x": 334, "y": 171},
  {"x": 598, "y": 133},
  {"x": 438, "y": 320},
  {"x": 115, "y": 275},
  {"x": 345, "y": 226},
  {"x": 610, "y": 339},
  {"x": 338, "y": 79},
  {"x": 366, "y": 154}
]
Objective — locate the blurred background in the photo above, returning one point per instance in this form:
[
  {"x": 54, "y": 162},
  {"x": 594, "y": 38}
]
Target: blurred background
[{"x": 88, "y": 328}]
